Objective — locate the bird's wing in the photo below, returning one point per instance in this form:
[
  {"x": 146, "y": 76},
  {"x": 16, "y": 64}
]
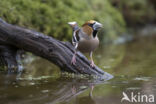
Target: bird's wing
[{"x": 75, "y": 37}]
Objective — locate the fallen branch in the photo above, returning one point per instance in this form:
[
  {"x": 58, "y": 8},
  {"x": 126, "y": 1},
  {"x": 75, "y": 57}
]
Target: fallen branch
[{"x": 58, "y": 52}]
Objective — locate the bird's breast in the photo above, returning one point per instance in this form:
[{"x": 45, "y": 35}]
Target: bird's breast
[{"x": 88, "y": 45}]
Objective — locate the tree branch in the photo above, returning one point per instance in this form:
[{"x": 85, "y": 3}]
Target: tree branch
[{"x": 58, "y": 52}]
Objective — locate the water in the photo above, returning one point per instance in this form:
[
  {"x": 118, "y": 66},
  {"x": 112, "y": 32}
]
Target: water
[{"x": 133, "y": 64}]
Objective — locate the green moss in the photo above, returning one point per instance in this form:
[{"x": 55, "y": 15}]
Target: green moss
[{"x": 51, "y": 16}]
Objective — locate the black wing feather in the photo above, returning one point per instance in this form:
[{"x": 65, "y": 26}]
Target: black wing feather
[{"x": 75, "y": 37}]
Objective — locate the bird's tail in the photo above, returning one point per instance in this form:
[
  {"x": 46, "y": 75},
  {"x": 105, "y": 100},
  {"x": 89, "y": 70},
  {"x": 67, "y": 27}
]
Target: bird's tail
[{"x": 73, "y": 25}]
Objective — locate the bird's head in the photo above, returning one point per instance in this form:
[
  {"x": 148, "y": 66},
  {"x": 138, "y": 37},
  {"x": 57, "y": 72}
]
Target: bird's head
[
  {"x": 91, "y": 27},
  {"x": 93, "y": 24}
]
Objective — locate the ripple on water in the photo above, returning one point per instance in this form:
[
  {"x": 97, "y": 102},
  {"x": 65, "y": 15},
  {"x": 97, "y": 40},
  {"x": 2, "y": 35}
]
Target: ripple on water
[
  {"x": 142, "y": 78},
  {"x": 133, "y": 88},
  {"x": 45, "y": 91}
]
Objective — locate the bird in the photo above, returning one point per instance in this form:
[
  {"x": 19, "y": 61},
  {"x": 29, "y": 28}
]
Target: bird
[{"x": 85, "y": 38}]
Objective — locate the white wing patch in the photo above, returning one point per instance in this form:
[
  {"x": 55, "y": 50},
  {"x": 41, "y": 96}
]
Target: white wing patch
[{"x": 72, "y": 23}]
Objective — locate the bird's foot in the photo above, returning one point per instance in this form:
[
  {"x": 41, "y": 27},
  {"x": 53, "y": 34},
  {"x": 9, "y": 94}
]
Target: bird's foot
[
  {"x": 73, "y": 61},
  {"x": 92, "y": 64}
]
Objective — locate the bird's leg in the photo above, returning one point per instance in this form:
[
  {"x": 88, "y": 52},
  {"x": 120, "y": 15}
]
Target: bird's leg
[
  {"x": 73, "y": 61},
  {"x": 92, "y": 62}
]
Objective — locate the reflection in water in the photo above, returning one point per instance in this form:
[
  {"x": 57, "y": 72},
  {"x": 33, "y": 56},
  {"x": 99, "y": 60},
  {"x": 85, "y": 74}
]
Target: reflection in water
[
  {"x": 86, "y": 99},
  {"x": 50, "y": 91},
  {"x": 65, "y": 90}
]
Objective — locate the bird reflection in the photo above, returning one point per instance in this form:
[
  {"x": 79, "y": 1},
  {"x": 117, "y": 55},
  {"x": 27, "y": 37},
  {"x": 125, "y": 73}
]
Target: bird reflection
[{"x": 85, "y": 99}]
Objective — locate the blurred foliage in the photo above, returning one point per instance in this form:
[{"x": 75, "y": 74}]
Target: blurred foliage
[
  {"x": 137, "y": 12},
  {"x": 51, "y": 16}
]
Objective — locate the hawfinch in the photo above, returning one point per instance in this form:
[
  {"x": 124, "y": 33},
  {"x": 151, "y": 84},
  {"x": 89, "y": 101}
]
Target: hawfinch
[{"x": 85, "y": 39}]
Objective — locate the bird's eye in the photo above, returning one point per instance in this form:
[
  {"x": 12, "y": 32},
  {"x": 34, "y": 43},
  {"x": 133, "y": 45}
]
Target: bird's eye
[{"x": 91, "y": 25}]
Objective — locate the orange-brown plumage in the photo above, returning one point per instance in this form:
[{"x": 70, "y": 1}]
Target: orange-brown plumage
[{"x": 87, "y": 29}]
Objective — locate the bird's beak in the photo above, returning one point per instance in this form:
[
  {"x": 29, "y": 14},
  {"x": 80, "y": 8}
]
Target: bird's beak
[{"x": 97, "y": 26}]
